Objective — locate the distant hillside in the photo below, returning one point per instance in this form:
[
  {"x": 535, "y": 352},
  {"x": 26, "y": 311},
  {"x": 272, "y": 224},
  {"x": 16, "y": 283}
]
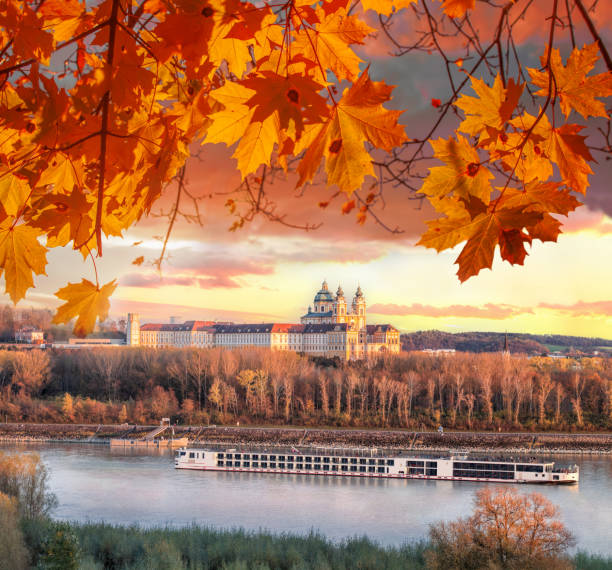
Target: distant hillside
[{"x": 491, "y": 342}]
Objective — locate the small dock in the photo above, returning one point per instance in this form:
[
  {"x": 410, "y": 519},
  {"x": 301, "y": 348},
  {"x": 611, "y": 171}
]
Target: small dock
[{"x": 152, "y": 439}]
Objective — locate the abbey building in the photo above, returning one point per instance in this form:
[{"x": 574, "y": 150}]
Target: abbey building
[{"x": 330, "y": 328}]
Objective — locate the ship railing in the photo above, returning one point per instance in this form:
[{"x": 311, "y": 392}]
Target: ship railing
[{"x": 566, "y": 469}]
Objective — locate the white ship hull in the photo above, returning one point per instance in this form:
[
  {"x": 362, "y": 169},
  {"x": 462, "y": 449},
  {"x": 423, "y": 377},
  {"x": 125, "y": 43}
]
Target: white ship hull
[{"x": 362, "y": 463}]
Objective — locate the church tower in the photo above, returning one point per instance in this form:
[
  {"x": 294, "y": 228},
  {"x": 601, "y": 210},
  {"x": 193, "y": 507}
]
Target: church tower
[
  {"x": 340, "y": 306},
  {"x": 132, "y": 333},
  {"x": 359, "y": 308}
]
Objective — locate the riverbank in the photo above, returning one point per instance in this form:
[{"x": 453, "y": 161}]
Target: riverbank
[{"x": 599, "y": 443}]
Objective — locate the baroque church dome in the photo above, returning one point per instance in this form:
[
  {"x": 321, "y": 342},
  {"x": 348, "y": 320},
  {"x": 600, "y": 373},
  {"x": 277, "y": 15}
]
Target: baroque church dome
[{"x": 323, "y": 295}]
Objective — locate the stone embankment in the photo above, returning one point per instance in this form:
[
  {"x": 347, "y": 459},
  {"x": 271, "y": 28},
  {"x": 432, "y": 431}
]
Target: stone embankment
[{"x": 460, "y": 441}]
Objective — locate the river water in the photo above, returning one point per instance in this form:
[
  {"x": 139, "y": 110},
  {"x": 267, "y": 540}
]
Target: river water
[{"x": 94, "y": 483}]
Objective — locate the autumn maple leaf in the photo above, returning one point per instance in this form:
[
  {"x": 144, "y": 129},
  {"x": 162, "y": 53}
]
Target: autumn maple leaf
[
  {"x": 491, "y": 110},
  {"x": 358, "y": 117},
  {"x": 86, "y": 302},
  {"x": 20, "y": 256},
  {"x": 462, "y": 175},
  {"x": 576, "y": 90},
  {"x": 386, "y": 7},
  {"x": 482, "y": 234},
  {"x": 457, "y": 8}
]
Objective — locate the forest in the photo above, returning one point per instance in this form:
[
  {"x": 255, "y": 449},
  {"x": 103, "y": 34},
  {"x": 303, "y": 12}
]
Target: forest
[
  {"x": 261, "y": 387},
  {"x": 491, "y": 342}
]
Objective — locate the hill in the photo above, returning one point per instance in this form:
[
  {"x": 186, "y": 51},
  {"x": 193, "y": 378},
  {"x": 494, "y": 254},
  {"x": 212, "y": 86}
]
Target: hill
[{"x": 492, "y": 342}]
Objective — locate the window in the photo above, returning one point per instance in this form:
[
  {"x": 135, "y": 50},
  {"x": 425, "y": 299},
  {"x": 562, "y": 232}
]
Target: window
[
  {"x": 272, "y": 457},
  {"x": 371, "y": 461},
  {"x": 272, "y": 465},
  {"x": 344, "y": 460},
  {"x": 371, "y": 469},
  {"x": 326, "y": 460},
  {"x": 325, "y": 467},
  {"x": 220, "y": 455},
  {"x": 317, "y": 460},
  {"x": 236, "y": 463},
  {"x": 281, "y": 465},
  {"x": 191, "y": 455},
  {"x": 334, "y": 468},
  {"x": 362, "y": 461},
  {"x": 381, "y": 469},
  {"x": 229, "y": 456},
  {"x": 229, "y": 464},
  {"x": 390, "y": 461},
  {"x": 246, "y": 463},
  {"x": 219, "y": 463},
  {"x": 289, "y": 465},
  {"x": 353, "y": 460},
  {"x": 255, "y": 456},
  {"x": 308, "y": 466},
  {"x": 264, "y": 464},
  {"x": 237, "y": 456},
  {"x": 353, "y": 467},
  {"x": 255, "y": 464},
  {"x": 309, "y": 459}
]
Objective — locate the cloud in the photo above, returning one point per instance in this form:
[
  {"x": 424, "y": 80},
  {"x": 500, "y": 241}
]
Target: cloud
[
  {"x": 160, "y": 312},
  {"x": 581, "y": 308},
  {"x": 493, "y": 311},
  {"x": 487, "y": 311},
  {"x": 154, "y": 281}
]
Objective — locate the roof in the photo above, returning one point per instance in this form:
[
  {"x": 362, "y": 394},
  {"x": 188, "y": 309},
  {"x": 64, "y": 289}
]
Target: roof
[
  {"x": 324, "y": 328},
  {"x": 372, "y": 329},
  {"x": 310, "y": 315},
  {"x": 187, "y": 326},
  {"x": 323, "y": 295}
]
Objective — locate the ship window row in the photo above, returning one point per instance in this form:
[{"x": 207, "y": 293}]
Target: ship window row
[
  {"x": 482, "y": 474},
  {"x": 305, "y": 467},
  {"x": 484, "y": 466},
  {"x": 530, "y": 468},
  {"x": 305, "y": 459}
]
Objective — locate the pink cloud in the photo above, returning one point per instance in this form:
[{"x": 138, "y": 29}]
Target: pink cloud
[
  {"x": 487, "y": 311},
  {"x": 581, "y": 308}
]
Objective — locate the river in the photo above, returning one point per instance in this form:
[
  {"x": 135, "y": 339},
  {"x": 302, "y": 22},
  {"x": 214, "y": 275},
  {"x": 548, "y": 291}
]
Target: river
[{"x": 93, "y": 483}]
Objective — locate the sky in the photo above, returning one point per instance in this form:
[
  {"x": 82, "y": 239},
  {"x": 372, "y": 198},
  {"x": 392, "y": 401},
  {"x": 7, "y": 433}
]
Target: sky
[{"x": 268, "y": 272}]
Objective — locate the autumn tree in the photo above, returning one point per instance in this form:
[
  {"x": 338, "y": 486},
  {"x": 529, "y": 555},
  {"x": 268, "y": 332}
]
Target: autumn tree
[
  {"x": 31, "y": 371},
  {"x": 507, "y": 530},
  {"x": 13, "y": 552},
  {"x": 24, "y": 477},
  {"x": 103, "y": 102}
]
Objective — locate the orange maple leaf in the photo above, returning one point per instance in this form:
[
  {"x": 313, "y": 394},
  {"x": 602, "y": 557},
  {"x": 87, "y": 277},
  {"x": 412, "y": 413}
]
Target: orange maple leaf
[
  {"x": 462, "y": 175},
  {"x": 357, "y": 118},
  {"x": 575, "y": 90},
  {"x": 457, "y": 8},
  {"x": 86, "y": 302},
  {"x": 491, "y": 110}
]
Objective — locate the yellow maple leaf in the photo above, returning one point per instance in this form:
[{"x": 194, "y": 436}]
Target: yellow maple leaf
[
  {"x": 492, "y": 108},
  {"x": 14, "y": 192},
  {"x": 575, "y": 90},
  {"x": 457, "y": 8},
  {"x": 327, "y": 43},
  {"x": 386, "y": 7},
  {"x": 85, "y": 301},
  {"x": 358, "y": 117},
  {"x": 462, "y": 176},
  {"x": 20, "y": 256}
]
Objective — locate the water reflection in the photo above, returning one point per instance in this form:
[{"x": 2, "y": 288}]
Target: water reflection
[{"x": 131, "y": 485}]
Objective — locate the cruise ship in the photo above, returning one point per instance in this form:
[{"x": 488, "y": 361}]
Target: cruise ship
[{"x": 335, "y": 462}]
